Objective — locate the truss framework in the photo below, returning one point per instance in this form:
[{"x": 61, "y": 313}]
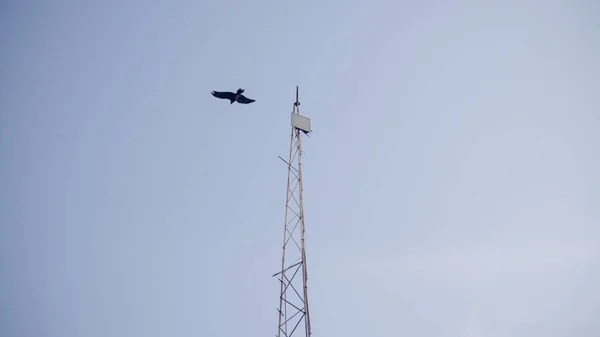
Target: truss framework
[{"x": 293, "y": 299}]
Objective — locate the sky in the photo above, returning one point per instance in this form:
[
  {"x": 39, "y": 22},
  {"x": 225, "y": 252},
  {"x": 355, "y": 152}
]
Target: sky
[{"x": 451, "y": 184}]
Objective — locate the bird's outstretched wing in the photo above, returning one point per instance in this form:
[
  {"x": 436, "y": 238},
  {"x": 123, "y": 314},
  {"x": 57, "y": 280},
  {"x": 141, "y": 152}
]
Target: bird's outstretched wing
[
  {"x": 245, "y": 100},
  {"x": 223, "y": 95}
]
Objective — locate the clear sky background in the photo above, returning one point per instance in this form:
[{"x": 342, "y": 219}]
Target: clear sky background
[{"x": 452, "y": 183}]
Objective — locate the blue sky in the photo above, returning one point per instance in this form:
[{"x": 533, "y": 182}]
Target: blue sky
[{"x": 451, "y": 183}]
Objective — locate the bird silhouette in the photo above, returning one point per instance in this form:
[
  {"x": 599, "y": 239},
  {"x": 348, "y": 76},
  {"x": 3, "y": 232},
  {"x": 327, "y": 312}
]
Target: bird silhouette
[{"x": 233, "y": 97}]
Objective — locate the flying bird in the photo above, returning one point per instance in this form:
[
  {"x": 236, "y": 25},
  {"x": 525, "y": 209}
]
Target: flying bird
[{"x": 233, "y": 97}]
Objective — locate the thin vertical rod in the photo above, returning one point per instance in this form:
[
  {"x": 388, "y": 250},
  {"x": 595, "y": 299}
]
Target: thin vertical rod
[
  {"x": 302, "y": 229},
  {"x": 287, "y": 199}
]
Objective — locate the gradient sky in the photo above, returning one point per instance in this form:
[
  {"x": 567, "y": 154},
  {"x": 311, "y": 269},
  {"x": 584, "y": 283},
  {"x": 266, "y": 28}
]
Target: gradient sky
[{"x": 452, "y": 182}]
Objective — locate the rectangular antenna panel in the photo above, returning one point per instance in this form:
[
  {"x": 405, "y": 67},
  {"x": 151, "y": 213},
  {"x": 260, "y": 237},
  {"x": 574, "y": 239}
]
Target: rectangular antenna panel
[{"x": 300, "y": 122}]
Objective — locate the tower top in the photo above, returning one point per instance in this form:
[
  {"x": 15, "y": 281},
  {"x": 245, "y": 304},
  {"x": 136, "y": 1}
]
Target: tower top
[
  {"x": 298, "y": 121},
  {"x": 297, "y": 102}
]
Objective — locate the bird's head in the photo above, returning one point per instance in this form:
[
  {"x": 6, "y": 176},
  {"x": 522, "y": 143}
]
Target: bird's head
[{"x": 240, "y": 90}]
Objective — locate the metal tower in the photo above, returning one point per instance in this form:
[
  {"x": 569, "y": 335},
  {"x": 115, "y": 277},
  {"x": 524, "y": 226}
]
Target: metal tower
[{"x": 293, "y": 299}]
